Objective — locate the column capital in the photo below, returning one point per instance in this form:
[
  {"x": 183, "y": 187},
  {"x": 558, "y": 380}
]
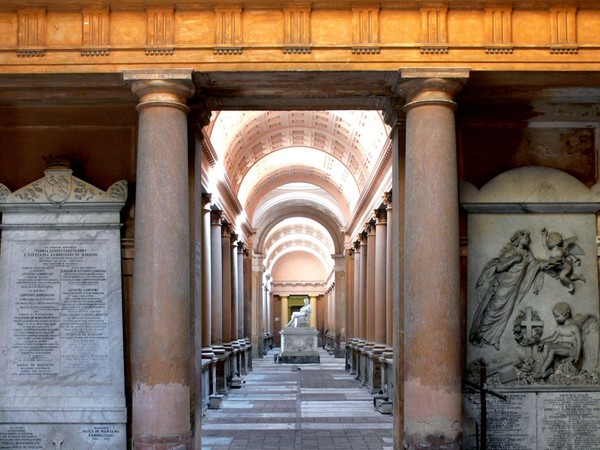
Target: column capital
[
  {"x": 387, "y": 199},
  {"x": 161, "y": 87},
  {"x": 206, "y": 199},
  {"x": 431, "y": 86},
  {"x": 380, "y": 216},
  {"x": 215, "y": 216}
]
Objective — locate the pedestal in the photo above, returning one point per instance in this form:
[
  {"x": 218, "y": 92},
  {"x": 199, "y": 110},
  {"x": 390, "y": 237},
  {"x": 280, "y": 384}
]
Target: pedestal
[{"x": 299, "y": 346}]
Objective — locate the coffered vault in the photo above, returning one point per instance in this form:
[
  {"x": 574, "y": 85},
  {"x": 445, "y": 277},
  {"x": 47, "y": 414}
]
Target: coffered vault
[{"x": 298, "y": 175}]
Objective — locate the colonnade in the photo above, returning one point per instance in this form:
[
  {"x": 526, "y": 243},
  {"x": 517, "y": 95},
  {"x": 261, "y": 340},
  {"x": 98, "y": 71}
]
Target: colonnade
[{"x": 423, "y": 301}]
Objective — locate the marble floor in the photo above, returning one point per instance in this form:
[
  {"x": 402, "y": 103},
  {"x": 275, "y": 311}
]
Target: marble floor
[{"x": 319, "y": 406}]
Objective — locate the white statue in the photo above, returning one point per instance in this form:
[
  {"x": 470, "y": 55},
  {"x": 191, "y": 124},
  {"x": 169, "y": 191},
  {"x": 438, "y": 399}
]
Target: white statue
[{"x": 301, "y": 318}]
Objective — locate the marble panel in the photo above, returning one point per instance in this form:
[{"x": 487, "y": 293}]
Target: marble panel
[{"x": 61, "y": 350}]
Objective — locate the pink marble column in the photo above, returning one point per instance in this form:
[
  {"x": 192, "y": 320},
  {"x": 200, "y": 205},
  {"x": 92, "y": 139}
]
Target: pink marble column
[
  {"x": 431, "y": 271},
  {"x": 349, "y": 293},
  {"x": 241, "y": 289},
  {"x": 370, "y": 281},
  {"x": 380, "y": 276},
  {"x": 357, "y": 300},
  {"x": 389, "y": 299},
  {"x": 226, "y": 280},
  {"x": 363, "y": 287},
  {"x": 160, "y": 313},
  {"x": 216, "y": 262},
  {"x": 206, "y": 278},
  {"x": 234, "y": 288}
]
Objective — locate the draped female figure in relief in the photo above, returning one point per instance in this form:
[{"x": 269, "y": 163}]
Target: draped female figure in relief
[{"x": 503, "y": 283}]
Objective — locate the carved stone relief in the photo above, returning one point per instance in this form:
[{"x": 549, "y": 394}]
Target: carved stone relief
[{"x": 561, "y": 352}]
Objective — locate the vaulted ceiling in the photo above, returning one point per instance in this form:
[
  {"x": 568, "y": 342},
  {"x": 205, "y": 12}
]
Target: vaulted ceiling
[{"x": 298, "y": 174}]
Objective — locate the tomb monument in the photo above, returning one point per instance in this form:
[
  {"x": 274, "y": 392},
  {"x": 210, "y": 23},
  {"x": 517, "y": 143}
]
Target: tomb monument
[
  {"x": 61, "y": 358},
  {"x": 532, "y": 311}
]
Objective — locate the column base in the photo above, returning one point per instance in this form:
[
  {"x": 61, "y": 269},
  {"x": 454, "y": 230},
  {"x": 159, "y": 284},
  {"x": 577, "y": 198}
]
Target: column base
[
  {"x": 431, "y": 436},
  {"x": 169, "y": 442}
]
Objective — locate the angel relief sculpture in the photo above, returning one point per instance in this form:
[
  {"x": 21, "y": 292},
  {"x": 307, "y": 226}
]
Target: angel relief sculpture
[
  {"x": 562, "y": 256},
  {"x": 506, "y": 279}
]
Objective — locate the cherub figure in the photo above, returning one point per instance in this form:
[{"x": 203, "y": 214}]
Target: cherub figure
[
  {"x": 562, "y": 256},
  {"x": 565, "y": 342}
]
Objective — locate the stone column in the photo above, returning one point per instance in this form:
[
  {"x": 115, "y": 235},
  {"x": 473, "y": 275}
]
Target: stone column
[
  {"x": 161, "y": 292},
  {"x": 216, "y": 257},
  {"x": 349, "y": 324},
  {"x": 313, "y": 316},
  {"x": 380, "y": 275},
  {"x": 431, "y": 271},
  {"x": 285, "y": 316},
  {"x": 363, "y": 286},
  {"x": 206, "y": 278},
  {"x": 226, "y": 280},
  {"x": 257, "y": 305},
  {"x": 357, "y": 286},
  {"x": 234, "y": 288},
  {"x": 394, "y": 116},
  {"x": 241, "y": 289},
  {"x": 339, "y": 296},
  {"x": 389, "y": 304},
  {"x": 370, "y": 281}
]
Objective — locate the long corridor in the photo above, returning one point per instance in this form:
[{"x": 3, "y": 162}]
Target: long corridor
[{"x": 302, "y": 407}]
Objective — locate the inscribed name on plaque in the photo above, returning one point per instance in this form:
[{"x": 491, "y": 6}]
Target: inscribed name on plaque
[{"x": 60, "y": 325}]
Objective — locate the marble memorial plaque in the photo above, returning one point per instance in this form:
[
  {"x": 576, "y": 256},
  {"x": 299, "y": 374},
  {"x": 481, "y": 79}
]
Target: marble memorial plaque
[
  {"x": 511, "y": 424},
  {"x": 61, "y": 338}
]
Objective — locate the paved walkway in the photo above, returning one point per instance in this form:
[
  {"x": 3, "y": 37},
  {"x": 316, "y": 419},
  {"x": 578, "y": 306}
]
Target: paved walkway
[{"x": 319, "y": 406}]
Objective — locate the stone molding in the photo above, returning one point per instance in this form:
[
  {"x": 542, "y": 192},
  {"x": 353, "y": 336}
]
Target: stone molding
[
  {"x": 233, "y": 32},
  {"x": 60, "y": 189}
]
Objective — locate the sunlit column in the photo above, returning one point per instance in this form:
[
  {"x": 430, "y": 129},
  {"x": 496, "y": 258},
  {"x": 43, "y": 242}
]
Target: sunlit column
[
  {"x": 380, "y": 275},
  {"x": 226, "y": 280},
  {"x": 217, "y": 279},
  {"x": 370, "y": 282},
  {"x": 313, "y": 316},
  {"x": 285, "y": 316},
  {"x": 433, "y": 398}
]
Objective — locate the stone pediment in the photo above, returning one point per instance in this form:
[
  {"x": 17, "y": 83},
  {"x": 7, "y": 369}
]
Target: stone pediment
[
  {"x": 531, "y": 189},
  {"x": 60, "y": 189}
]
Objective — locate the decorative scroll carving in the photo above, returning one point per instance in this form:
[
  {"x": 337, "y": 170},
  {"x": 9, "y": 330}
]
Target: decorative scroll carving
[
  {"x": 95, "y": 26},
  {"x": 4, "y": 193},
  {"x": 31, "y": 32},
  {"x": 59, "y": 187},
  {"x": 160, "y": 26},
  {"x": 118, "y": 191}
]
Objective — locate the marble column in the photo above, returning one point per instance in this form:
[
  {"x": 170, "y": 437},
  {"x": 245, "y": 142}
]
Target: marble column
[
  {"x": 380, "y": 275},
  {"x": 226, "y": 280},
  {"x": 313, "y": 316},
  {"x": 363, "y": 286},
  {"x": 349, "y": 323},
  {"x": 285, "y": 316},
  {"x": 389, "y": 303},
  {"x": 339, "y": 297},
  {"x": 160, "y": 313},
  {"x": 216, "y": 259},
  {"x": 357, "y": 299},
  {"x": 256, "y": 315},
  {"x": 370, "y": 282},
  {"x": 394, "y": 117},
  {"x": 206, "y": 278},
  {"x": 241, "y": 289},
  {"x": 234, "y": 288},
  {"x": 431, "y": 271}
]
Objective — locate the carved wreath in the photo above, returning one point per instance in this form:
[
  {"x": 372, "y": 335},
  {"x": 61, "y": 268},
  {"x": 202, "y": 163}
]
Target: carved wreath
[{"x": 520, "y": 331}]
